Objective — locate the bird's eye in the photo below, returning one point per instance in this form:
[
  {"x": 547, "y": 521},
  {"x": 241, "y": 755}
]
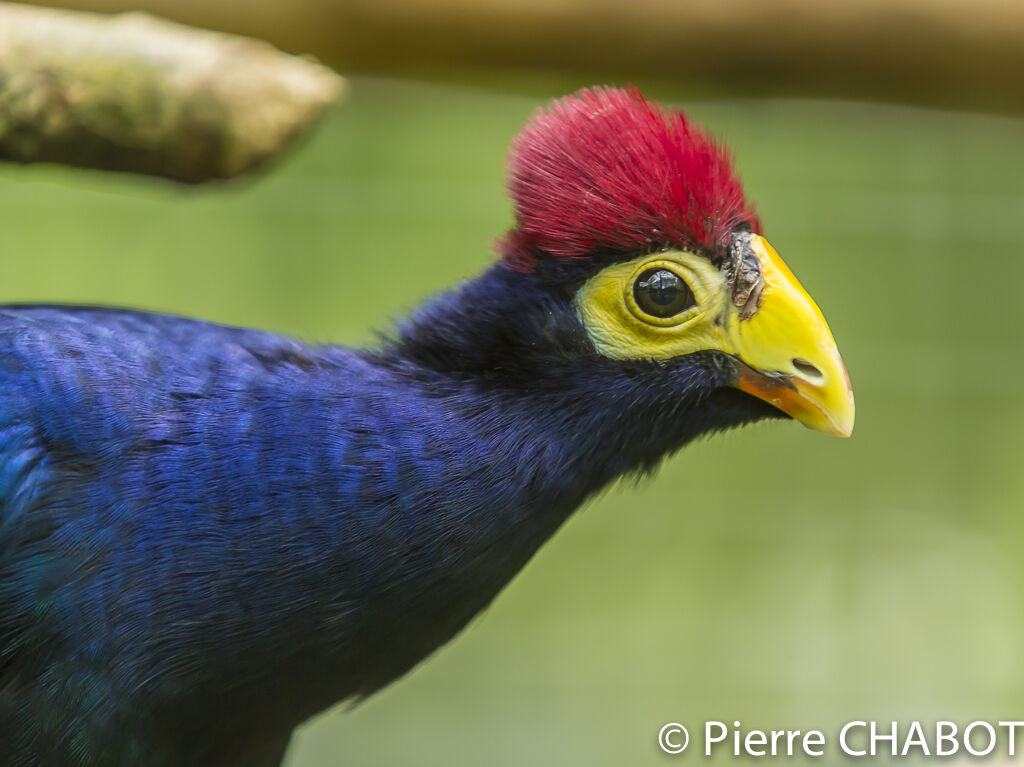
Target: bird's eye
[{"x": 662, "y": 293}]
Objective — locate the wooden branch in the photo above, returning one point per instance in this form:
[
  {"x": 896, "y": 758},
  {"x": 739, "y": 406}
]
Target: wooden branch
[
  {"x": 134, "y": 93},
  {"x": 950, "y": 53}
]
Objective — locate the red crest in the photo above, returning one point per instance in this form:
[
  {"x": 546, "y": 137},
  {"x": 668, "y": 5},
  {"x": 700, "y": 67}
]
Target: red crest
[{"x": 605, "y": 169}]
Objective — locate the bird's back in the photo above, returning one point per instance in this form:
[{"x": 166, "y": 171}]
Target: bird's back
[{"x": 144, "y": 460}]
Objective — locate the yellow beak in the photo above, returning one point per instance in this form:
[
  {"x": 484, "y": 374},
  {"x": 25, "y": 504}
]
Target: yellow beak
[{"x": 789, "y": 356}]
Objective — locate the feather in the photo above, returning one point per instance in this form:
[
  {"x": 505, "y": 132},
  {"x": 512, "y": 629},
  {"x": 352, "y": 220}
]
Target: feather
[{"x": 607, "y": 170}]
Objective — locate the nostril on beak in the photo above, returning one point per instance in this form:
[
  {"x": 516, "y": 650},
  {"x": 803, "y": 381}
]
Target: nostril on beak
[{"x": 809, "y": 372}]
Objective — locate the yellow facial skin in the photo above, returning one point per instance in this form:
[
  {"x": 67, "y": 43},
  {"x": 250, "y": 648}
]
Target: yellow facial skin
[{"x": 789, "y": 356}]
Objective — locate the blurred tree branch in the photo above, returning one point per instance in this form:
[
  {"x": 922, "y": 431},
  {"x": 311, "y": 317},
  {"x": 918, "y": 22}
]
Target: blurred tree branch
[
  {"x": 134, "y": 93},
  {"x": 940, "y": 52}
]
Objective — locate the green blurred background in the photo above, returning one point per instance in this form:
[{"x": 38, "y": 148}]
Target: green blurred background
[{"x": 770, "y": 575}]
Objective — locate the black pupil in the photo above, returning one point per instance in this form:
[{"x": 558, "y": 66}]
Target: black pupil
[{"x": 662, "y": 293}]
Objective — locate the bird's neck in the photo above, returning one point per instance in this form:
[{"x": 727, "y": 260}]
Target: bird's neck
[
  {"x": 506, "y": 360},
  {"x": 506, "y": 355},
  {"x": 516, "y": 421}
]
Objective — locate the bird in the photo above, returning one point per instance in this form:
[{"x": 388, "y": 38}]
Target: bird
[{"x": 209, "y": 534}]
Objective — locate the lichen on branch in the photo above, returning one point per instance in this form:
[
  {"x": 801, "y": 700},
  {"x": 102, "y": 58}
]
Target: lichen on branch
[{"x": 138, "y": 94}]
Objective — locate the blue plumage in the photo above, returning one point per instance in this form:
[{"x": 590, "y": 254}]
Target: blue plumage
[{"x": 208, "y": 534}]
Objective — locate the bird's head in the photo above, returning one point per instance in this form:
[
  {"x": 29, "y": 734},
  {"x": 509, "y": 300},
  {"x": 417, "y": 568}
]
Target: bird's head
[
  {"x": 636, "y": 281},
  {"x": 643, "y": 214}
]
